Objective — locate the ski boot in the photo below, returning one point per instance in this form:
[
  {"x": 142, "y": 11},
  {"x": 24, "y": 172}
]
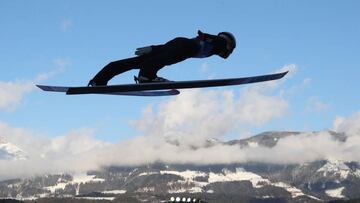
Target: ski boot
[
  {"x": 93, "y": 83},
  {"x": 142, "y": 79}
]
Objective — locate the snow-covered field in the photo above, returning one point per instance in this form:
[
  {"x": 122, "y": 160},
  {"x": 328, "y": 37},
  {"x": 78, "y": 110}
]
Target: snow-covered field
[
  {"x": 77, "y": 180},
  {"x": 336, "y": 193},
  {"x": 226, "y": 176}
]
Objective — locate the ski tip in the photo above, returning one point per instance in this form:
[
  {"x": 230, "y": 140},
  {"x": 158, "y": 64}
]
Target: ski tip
[
  {"x": 52, "y": 88},
  {"x": 42, "y": 87},
  {"x": 282, "y": 74},
  {"x": 286, "y": 72},
  {"x": 175, "y": 92}
]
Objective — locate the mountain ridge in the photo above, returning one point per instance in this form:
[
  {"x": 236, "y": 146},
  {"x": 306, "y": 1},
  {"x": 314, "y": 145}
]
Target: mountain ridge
[{"x": 317, "y": 181}]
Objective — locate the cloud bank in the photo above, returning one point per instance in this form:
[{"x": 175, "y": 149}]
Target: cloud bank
[
  {"x": 79, "y": 151},
  {"x": 65, "y": 153}
]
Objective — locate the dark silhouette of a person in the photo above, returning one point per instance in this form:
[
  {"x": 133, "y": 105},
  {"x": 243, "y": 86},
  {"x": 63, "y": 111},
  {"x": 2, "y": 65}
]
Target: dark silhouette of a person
[{"x": 151, "y": 59}]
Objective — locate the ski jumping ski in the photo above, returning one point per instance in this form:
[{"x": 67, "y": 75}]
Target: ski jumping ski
[
  {"x": 160, "y": 88},
  {"x": 131, "y": 93}
]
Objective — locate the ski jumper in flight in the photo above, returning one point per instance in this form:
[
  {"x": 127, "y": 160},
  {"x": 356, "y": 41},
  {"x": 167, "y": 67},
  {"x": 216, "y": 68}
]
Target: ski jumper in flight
[{"x": 151, "y": 59}]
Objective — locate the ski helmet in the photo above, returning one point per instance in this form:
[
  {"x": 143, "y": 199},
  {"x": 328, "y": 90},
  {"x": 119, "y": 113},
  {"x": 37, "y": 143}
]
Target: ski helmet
[{"x": 230, "y": 43}]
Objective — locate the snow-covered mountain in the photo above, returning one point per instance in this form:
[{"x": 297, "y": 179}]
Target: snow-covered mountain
[
  {"x": 309, "y": 182},
  {"x": 10, "y": 151}
]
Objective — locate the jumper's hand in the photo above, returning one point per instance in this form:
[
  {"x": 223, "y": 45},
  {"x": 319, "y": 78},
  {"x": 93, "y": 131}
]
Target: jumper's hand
[
  {"x": 143, "y": 50},
  {"x": 201, "y": 35}
]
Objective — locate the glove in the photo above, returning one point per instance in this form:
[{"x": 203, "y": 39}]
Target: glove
[
  {"x": 143, "y": 50},
  {"x": 201, "y": 35}
]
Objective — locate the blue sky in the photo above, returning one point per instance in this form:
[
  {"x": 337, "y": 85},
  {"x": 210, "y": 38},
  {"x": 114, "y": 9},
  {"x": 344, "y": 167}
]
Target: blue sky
[{"x": 67, "y": 42}]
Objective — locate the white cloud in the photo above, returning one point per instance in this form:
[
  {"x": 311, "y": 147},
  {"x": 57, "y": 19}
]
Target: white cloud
[
  {"x": 322, "y": 145},
  {"x": 59, "y": 66},
  {"x": 195, "y": 116},
  {"x": 12, "y": 92},
  {"x": 305, "y": 147},
  {"x": 350, "y": 125},
  {"x": 315, "y": 105},
  {"x": 70, "y": 152}
]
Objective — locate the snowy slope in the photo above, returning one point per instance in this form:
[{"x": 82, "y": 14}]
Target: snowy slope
[
  {"x": 77, "y": 180},
  {"x": 9, "y": 151},
  {"x": 228, "y": 176}
]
